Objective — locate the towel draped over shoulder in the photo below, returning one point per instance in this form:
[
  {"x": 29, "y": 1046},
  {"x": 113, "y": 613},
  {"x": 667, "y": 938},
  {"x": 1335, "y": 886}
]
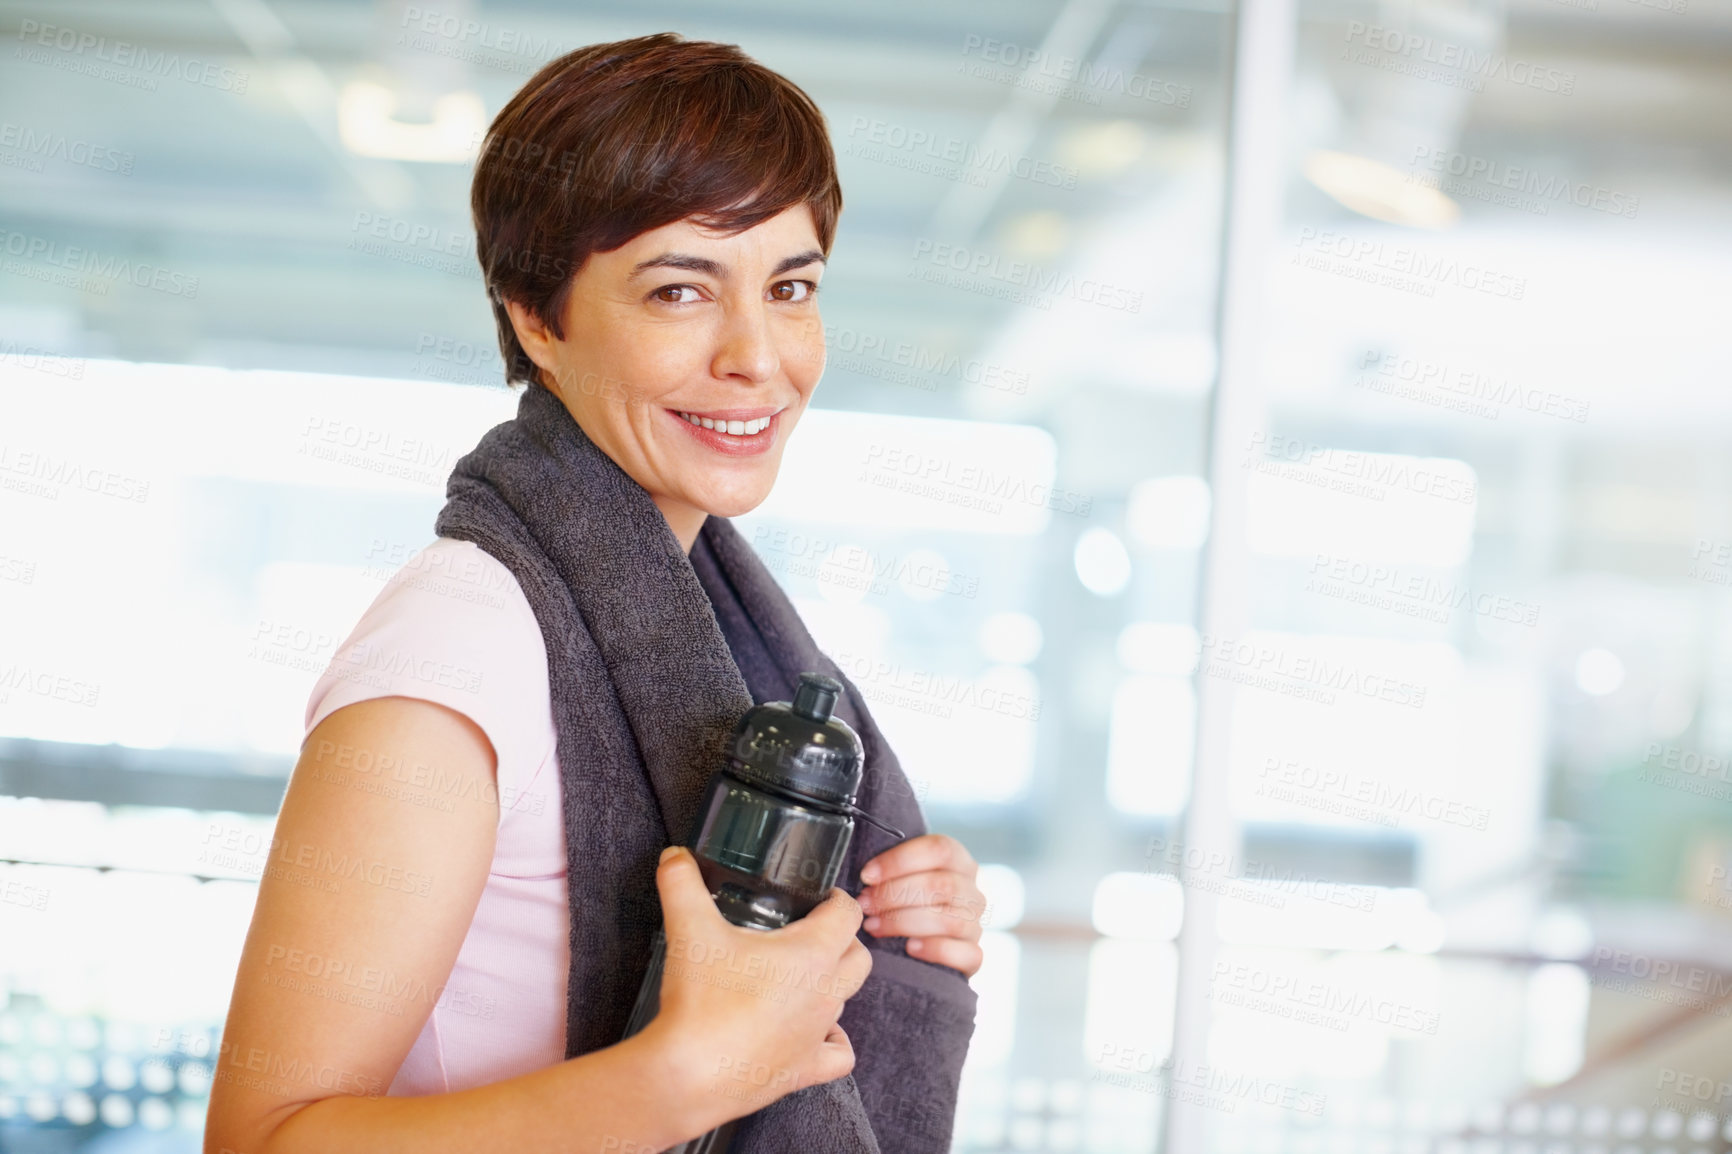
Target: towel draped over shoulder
[{"x": 652, "y": 657}]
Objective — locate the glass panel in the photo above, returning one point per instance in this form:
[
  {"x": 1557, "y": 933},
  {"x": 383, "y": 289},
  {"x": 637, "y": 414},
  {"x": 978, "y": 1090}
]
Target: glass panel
[{"x": 1480, "y": 682}]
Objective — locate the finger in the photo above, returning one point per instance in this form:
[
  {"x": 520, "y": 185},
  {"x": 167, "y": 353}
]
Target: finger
[
  {"x": 853, "y": 970},
  {"x": 834, "y": 1058},
  {"x": 953, "y": 952},
  {"x": 926, "y": 888},
  {"x": 944, "y": 889},
  {"x": 922, "y": 923},
  {"x": 686, "y": 903},
  {"x": 842, "y": 979},
  {"x": 929, "y": 851},
  {"x": 837, "y": 917}
]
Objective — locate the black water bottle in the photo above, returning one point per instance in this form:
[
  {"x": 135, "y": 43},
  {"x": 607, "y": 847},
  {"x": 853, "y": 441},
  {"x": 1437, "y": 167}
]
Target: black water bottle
[{"x": 773, "y": 830}]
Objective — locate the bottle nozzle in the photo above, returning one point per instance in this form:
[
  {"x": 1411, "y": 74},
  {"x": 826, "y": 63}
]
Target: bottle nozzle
[{"x": 816, "y": 698}]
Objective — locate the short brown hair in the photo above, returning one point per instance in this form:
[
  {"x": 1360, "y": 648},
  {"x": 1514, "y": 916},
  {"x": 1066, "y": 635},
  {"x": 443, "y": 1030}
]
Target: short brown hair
[{"x": 613, "y": 140}]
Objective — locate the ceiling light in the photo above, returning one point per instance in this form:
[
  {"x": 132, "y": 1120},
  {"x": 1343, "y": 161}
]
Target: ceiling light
[
  {"x": 1104, "y": 149},
  {"x": 367, "y": 124},
  {"x": 1372, "y": 188}
]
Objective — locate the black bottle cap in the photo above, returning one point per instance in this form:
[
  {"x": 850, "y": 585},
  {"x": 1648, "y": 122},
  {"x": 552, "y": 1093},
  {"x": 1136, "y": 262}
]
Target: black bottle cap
[
  {"x": 800, "y": 748},
  {"x": 815, "y": 700}
]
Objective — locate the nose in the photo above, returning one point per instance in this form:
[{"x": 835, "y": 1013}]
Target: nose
[{"x": 746, "y": 348}]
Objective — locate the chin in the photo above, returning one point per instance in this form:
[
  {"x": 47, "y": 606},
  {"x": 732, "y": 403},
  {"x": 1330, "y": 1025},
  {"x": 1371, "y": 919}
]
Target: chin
[{"x": 734, "y": 502}]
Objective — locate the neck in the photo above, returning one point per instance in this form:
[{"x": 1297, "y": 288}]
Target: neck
[{"x": 685, "y": 520}]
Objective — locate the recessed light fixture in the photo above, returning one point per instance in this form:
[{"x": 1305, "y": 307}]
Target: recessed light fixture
[
  {"x": 367, "y": 124},
  {"x": 1375, "y": 189}
]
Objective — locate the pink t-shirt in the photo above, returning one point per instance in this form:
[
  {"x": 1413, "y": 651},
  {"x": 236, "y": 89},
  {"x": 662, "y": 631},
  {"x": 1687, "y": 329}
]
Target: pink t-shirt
[{"x": 453, "y": 627}]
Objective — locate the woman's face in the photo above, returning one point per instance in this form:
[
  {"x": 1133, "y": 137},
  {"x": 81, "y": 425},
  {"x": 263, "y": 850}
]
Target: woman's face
[{"x": 689, "y": 356}]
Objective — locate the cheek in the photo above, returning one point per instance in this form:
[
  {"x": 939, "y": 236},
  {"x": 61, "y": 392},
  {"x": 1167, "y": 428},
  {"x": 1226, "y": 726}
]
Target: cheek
[
  {"x": 803, "y": 353},
  {"x": 641, "y": 368},
  {"x": 814, "y": 362}
]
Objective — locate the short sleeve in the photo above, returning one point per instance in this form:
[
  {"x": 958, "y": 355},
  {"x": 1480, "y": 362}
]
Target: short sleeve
[{"x": 453, "y": 627}]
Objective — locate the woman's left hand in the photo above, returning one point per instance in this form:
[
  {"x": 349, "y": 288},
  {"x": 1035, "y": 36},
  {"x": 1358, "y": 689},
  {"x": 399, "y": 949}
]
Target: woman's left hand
[{"x": 924, "y": 890}]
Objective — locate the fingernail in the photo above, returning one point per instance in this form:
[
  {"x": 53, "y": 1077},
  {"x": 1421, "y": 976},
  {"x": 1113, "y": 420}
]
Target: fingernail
[
  {"x": 869, "y": 874},
  {"x": 668, "y": 853},
  {"x": 872, "y": 925},
  {"x": 915, "y": 944}
]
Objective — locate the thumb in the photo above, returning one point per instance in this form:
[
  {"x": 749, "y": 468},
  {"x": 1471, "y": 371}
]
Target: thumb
[{"x": 686, "y": 901}]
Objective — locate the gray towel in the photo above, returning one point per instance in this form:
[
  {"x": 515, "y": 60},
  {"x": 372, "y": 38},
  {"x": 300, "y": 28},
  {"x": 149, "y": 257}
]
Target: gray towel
[{"x": 652, "y": 657}]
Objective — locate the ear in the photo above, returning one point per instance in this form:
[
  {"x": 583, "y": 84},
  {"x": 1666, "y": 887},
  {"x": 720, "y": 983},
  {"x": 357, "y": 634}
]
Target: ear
[{"x": 536, "y": 338}]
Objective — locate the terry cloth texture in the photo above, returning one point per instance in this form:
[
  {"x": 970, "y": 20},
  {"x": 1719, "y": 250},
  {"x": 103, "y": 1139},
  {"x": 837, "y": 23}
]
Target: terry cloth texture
[{"x": 652, "y": 658}]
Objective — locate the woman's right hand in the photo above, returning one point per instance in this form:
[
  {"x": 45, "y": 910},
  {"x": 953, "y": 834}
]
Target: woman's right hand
[{"x": 751, "y": 1015}]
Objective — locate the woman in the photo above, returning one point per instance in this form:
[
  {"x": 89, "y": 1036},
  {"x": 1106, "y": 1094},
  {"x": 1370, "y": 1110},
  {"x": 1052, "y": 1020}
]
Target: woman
[{"x": 464, "y": 875}]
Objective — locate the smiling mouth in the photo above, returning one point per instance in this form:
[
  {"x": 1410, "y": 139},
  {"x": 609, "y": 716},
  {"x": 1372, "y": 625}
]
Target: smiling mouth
[{"x": 726, "y": 427}]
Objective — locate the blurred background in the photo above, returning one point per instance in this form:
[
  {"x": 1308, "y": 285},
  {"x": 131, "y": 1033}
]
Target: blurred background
[{"x": 1289, "y": 441}]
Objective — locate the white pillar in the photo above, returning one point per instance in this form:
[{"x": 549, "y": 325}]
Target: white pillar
[{"x": 1256, "y": 183}]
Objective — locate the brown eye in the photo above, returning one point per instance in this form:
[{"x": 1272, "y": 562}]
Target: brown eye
[
  {"x": 785, "y": 290},
  {"x": 661, "y": 294}
]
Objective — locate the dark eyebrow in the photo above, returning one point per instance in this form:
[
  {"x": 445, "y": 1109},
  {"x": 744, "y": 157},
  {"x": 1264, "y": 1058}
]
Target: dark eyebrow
[
  {"x": 799, "y": 260},
  {"x": 703, "y": 264}
]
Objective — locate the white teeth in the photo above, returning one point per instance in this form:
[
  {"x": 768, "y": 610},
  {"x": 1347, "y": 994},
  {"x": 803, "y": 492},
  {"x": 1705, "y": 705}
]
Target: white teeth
[{"x": 732, "y": 428}]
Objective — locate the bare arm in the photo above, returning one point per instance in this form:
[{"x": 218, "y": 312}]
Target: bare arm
[{"x": 364, "y": 904}]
